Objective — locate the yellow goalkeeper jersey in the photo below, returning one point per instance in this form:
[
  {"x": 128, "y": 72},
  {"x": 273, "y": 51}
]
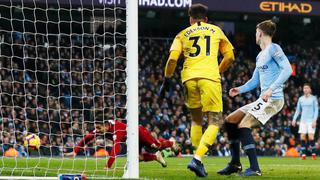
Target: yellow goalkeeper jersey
[{"x": 200, "y": 44}]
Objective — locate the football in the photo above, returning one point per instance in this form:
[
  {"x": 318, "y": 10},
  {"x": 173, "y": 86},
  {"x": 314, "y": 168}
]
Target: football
[{"x": 32, "y": 141}]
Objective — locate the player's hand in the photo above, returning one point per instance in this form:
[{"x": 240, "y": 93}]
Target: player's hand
[
  {"x": 164, "y": 87},
  {"x": 266, "y": 95},
  {"x": 314, "y": 124},
  {"x": 70, "y": 154},
  {"x": 293, "y": 123},
  {"x": 233, "y": 92}
]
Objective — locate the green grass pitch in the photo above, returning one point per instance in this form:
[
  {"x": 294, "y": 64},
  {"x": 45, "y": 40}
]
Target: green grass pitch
[{"x": 272, "y": 168}]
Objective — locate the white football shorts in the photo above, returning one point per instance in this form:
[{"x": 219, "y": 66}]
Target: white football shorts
[
  {"x": 306, "y": 128},
  {"x": 262, "y": 110}
]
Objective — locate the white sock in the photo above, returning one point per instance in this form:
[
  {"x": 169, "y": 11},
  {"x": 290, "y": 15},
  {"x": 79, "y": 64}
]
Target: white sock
[{"x": 197, "y": 157}]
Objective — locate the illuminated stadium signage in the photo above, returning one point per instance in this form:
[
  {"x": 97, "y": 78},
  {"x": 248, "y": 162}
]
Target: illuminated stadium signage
[
  {"x": 297, "y": 7},
  {"x": 271, "y": 6},
  {"x": 166, "y": 3},
  {"x": 302, "y": 7},
  {"x": 152, "y": 3}
]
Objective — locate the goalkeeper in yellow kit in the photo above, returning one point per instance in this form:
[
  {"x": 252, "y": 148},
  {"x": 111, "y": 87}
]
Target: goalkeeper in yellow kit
[{"x": 199, "y": 45}]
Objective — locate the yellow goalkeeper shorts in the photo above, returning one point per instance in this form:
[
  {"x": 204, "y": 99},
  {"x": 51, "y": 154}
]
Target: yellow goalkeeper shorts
[{"x": 203, "y": 93}]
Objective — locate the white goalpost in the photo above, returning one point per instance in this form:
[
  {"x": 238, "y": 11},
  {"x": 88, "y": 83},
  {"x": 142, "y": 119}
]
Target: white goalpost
[
  {"x": 66, "y": 65},
  {"x": 132, "y": 83}
]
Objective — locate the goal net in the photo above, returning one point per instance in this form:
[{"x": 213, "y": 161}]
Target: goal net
[{"x": 63, "y": 68}]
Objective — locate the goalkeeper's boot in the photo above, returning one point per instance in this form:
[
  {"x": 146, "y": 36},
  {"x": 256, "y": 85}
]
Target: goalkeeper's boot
[
  {"x": 303, "y": 157},
  {"x": 160, "y": 159},
  {"x": 250, "y": 172},
  {"x": 197, "y": 167},
  {"x": 313, "y": 156},
  {"x": 231, "y": 168}
]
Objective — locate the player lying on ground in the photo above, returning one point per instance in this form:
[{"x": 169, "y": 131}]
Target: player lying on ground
[
  {"x": 116, "y": 131},
  {"x": 200, "y": 44},
  {"x": 271, "y": 72},
  {"x": 308, "y": 108}
]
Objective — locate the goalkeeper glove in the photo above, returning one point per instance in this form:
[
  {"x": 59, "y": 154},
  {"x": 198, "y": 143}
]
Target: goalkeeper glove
[{"x": 164, "y": 87}]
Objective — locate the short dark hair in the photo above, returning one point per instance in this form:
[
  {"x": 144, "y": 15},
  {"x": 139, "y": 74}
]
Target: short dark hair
[
  {"x": 198, "y": 11},
  {"x": 307, "y": 84},
  {"x": 268, "y": 27}
]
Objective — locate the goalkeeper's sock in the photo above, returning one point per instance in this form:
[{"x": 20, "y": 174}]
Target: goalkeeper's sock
[
  {"x": 196, "y": 134},
  {"x": 303, "y": 147},
  {"x": 313, "y": 146},
  {"x": 249, "y": 147},
  {"x": 149, "y": 157},
  {"x": 165, "y": 143},
  {"x": 206, "y": 141},
  {"x": 233, "y": 134}
]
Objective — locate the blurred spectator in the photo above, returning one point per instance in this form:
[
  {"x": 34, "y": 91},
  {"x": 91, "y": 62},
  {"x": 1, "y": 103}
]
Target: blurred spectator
[{"x": 11, "y": 152}]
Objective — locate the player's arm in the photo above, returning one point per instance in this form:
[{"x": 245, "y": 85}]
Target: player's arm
[
  {"x": 284, "y": 65},
  {"x": 87, "y": 138},
  {"x": 119, "y": 135},
  {"x": 228, "y": 59},
  {"x": 175, "y": 52},
  {"x": 171, "y": 63},
  {"x": 226, "y": 49},
  {"x": 315, "y": 110},
  {"x": 251, "y": 84},
  {"x": 298, "y": 111}
]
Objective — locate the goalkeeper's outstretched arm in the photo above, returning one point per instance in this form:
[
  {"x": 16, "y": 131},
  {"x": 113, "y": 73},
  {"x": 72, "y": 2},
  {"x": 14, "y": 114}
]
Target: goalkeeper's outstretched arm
[
  {"x": 120, "y": 137},
  {"x": 87, "y": 138}
]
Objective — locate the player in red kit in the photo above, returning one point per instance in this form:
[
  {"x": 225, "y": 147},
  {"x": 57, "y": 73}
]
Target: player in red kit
[{"x": 117, "y": 132}]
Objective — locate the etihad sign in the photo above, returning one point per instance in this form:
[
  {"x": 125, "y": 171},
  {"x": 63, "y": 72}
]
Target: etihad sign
[{"x": 277, "y": 6}]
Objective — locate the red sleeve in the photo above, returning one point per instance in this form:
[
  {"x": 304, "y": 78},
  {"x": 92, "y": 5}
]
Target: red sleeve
[
  {"x": 120, "y": 135},
  {"x": 84, "y": 140}
]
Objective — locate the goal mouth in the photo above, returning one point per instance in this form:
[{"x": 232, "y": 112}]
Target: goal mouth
[{"x": 63, "y": 70}]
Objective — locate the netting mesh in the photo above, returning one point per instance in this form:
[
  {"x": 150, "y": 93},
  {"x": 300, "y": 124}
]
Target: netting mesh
[{"x": 62, "y": 66}]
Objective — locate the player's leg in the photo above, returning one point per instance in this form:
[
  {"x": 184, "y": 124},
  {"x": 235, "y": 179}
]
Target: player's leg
[
  {"x": 192, "y": 96},
  {"x": 147, "y": 139},
  {"x": 231, "y": 124},
  {"x": 172, "y": 144},
  {"x": 164, "y": 143},
  {"x": 231, "y": 127},
  {"x": 303, "y": 132},
  {"x": 211, "y": 101},
  {"x": 259, "y": 113},
  {"x": 303, "y": 146},
  {"x": 312, "y": 145},
  {"x": 206, "y": 141},
  {"x": 313, "y": 149},
  {"x": 210, "y": 134},
  {"x": 196, "y": 127},
  {"x": 146, "y": 156},
  {"x": 311, "y": 132},
  {"x": 247, "y": 141}
]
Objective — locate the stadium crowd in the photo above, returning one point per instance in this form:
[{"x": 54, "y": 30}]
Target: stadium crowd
[{"x": 56, "y": 87}]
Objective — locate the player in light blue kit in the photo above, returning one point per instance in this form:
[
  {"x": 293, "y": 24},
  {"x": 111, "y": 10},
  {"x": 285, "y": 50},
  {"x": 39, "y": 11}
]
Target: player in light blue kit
[
  {"x": 271, "y": 72},
  {"x": 308, "y": 108}
]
